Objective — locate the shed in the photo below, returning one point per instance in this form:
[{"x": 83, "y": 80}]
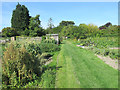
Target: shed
[{"x": 55, "y": 36}]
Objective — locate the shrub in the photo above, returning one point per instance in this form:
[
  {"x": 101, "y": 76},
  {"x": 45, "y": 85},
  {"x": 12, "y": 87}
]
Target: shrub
[
  {"x": 33, "y": 48},
  {"x": 49, "y": 47},
  {"x": 8, "y": 32},
  {"x": 19, "y": 66},
  {"x": 49, "y": 41}
]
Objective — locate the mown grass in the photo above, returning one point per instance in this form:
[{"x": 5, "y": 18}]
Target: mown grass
[{"x": 81, "y": 68}]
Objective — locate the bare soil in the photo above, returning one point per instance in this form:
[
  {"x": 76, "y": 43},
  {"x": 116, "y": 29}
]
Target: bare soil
[{"x": 111, "y": 62}]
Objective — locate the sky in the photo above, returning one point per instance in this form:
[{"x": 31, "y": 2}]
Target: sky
[{"x": 97, "y": 13}]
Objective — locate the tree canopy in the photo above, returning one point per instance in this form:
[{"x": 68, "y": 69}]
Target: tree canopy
[
  {"x": 66, "y": 23},
  {"x": 105, "y": 26},
  {"x": 34, "y": 28},
  {"x": 20, "y": 18}
]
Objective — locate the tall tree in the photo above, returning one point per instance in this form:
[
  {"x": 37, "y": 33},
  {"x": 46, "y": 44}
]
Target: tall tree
[{"x": 20, "y": 18}]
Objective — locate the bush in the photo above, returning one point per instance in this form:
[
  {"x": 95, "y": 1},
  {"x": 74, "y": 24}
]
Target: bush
[
  {"x": 19, "y": 66},
  {"x": 114, "y": 54},
  {"x": 50, "y": 40},
  {"x": 33, "y": 48},
  {"x": 49, "y": 47},
  {"x": 8, "y": 32}
]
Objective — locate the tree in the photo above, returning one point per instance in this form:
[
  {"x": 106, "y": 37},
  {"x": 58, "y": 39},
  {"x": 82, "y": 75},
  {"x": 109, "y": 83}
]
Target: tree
[
  {"x": 9, "y": 32},
  {"x": 83, "y": 30},
  {"x": 50, "y": 23},
  {"x": 50, "y": 26},
  {"x": 112, "y": 30},
  {"x": 57, "y": 29},
  {"x": 105, "y": 26},
  {"x": 66, "y": 23},
  {"x": 92, "y": 30},
  {"x": 70, "y": 31},
  {"x": 20, "y": 18},
  {"x": 34, "y": 27}
]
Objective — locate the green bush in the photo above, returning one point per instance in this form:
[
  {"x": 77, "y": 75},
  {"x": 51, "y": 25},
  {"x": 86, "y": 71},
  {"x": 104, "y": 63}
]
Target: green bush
[
  {"x": 49, "y": 41},
  {"x": 114, "y": 54},
  {"x": 33, "y": 48},
  {"x": 19, "y": 66},
  {"x": 49, "y": 47},
  {"x": 9, "y": 32}
]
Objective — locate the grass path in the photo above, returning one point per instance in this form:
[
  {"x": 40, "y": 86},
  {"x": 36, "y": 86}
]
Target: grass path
[{"x": 82, "y": 69}]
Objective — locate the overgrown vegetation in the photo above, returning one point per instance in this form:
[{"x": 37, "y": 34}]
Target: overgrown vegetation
[
  {"x": 103, "y": 46},
  {"x": 23, "y": 63}
]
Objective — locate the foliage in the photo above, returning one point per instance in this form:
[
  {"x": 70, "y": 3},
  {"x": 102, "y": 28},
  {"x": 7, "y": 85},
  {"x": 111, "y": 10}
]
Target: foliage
[
  {"x": 20, "y": 18},
  {"x": 34, "y": 49},
  {"x": 49, "y": 40},
  {"x": 70, "y": 31},
  {"x": 55, "y": 30},
  {"x": 83, "y": 31},
  {"x": 0, "y": 34},
  {"x": 19, "y": 66},
  {"x": 49, "y": 47},
  {"x": 79, "y": 32},
  {"x": 103, "y": 42},
  {"x": 48, "y": 78},
  {"x": 92, "y": 30},
  {"x": 66, "y": 23},
  {"x": 105, "y": 26},
  {"x": 34, "y": 27},
  {"x": 9, "y": 32},
  {"x": 102, "y": 45}
]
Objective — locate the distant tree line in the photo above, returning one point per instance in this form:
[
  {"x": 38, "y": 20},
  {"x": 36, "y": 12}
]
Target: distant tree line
[{"x": 22, "y": 24}]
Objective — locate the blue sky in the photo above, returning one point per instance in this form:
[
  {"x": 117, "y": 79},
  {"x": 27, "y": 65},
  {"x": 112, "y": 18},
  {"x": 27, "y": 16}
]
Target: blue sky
[{"x": 97, "y": 13}]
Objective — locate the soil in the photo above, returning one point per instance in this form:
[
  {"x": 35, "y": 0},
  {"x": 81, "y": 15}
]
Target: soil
[
  {"x": 111, "y": 62},
  {"x": 49, "y": 61}
]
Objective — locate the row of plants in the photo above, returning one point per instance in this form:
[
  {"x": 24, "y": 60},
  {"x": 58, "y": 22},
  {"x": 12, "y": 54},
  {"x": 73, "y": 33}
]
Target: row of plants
[
  {"x": 24, "y": 64},
  {"x": 102, "y": 46},
  {"x": 112, "y": 53},
  {"x": 100, "y": 42}
]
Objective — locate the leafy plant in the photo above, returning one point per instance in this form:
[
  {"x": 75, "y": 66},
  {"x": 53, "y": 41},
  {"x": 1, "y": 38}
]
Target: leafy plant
[
  {"x": 19, "y": 66},
  {"x": 49, "y": 47}
]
